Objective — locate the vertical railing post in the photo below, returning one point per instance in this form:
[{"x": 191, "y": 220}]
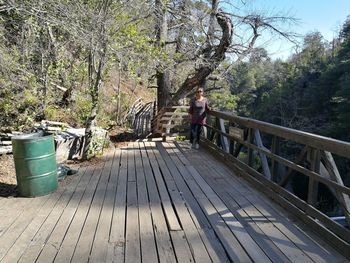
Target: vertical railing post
[
  {"x": 263, "y": 158},
  {"x": 231, "y": 142},
  {"x": 211, "y": 132},
  {"x": 224, "y": 140},
  {"x": 250, "y": 150},
  {"x": 218, "y": 137},
  {"x": 275, "y": 149},
  {"x": 313, "y": 185}
]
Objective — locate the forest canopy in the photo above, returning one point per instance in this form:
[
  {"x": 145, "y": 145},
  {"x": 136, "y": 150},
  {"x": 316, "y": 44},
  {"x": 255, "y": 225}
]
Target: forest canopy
[{"x": 57, "y": 57}]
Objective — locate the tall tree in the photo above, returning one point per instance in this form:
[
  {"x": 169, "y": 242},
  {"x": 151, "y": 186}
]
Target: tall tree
[{"x": 200, "y": 37}]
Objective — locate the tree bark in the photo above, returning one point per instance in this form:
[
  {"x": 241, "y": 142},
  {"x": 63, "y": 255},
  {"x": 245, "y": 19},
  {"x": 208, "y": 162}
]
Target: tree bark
[
  {"x": 162, "y": 75},
  {"x": 213, "y": 57},
  {"x": 94, "y": 99},
  {"x": 95, "y": 80}
]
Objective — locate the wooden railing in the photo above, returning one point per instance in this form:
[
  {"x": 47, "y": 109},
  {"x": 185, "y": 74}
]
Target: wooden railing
[
  {"x": 142, "y": 120},
  {"x": 134, "y": 108},
  {"x": 264, "y": 154},
  {"x": 171, "y": 121}
]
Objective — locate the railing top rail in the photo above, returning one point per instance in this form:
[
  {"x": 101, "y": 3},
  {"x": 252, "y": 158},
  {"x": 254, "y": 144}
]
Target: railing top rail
[{"x": 317, "y": 141}]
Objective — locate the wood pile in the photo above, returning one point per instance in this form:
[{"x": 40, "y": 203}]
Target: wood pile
[
  {"x": 69, "y": 142},
  {"x": 46, "y": 125},
  {"x": 6, "y": 143}
]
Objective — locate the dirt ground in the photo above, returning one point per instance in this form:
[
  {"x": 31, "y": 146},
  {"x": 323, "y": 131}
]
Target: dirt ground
[{"x": 8, "y": 184}]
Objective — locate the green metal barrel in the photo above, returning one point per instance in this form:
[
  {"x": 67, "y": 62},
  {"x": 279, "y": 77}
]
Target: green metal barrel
[{"x": 35, "y": 163}]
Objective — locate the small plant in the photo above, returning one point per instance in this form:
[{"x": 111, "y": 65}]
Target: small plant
[{"x": 180, "y": 138}]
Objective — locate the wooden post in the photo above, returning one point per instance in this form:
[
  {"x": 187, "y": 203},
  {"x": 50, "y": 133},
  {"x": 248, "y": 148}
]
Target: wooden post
[
  {"x": 283, "y": 182},
  {"x": 211, "y": 132},
  {"x": 224, "y": 141},
  {"x": 332, "y": 169},
  {"x": 250, "y": 151},
  {"x": 265, "y": 164},
  {"x": 217, "y": 126},
  {"x": 232, "y": 144},
  {"x": 275, "y": 149},
  {"x": 313, "y": 185}
]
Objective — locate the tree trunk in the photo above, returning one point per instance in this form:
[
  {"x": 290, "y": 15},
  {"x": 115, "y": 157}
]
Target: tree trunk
[
  {"x": 94, "y": 99},
  {"x": 163, "y": 82},
  {"x": 213, "y": 57}
]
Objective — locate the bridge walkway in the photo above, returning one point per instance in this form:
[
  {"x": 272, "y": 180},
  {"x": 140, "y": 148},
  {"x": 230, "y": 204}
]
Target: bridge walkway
[{"x": 154, "y": 201}]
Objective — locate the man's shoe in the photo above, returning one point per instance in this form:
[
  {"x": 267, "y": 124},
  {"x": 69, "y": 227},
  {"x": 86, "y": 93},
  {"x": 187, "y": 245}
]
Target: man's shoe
[{"x": 196, "y": 146}]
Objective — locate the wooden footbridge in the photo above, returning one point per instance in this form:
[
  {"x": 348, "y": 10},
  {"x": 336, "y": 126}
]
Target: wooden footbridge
[{"x": 158, "y": 200}]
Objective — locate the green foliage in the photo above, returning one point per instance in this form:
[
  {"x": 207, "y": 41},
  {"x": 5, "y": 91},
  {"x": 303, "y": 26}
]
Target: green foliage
[
  {"x": 43, "y": 58},
  {"x": 223, "y": 101},
  {"x": 180, "y": 138}
]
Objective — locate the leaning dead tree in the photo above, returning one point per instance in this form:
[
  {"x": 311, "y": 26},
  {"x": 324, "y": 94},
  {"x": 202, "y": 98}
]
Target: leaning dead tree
[
  {"x": 201, "y": 38},
  {"x": 213, "y": 55}
]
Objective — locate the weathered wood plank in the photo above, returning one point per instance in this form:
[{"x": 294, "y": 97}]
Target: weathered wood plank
[
  {"x": 52, "y": 245},
  {"x": 263, "y": 158},
  {"x": 197, "y": 215},
  {"x": 171, "y": 217},
  {"x": 182, "y": 250},
  {"x": 116, "y": 247},
  {"x": 28, "y": 234},
  {"x": 100, "y": 243},
  {"x": 335, "y": 175},
  {"x": 286, "y": 199},
  {"x": 208, "y": 236},
  {"x": 236, "y": 188},
  {"x": 19, "y": 225},
  {"x": 41, "y": 237},
  {"x": 224, "y": 141},
  {"x": 148, "y": 246},
  {"x": 83, "y": 247},
  {"x": 10, "y": 209},
  {"x": 163, "y": 241},
  {"x": 71, "y": 238},
  {"x": 182, "y": 187},
  {"x": 131, "y": 163},
  {"x": 313, "y": 185},
  {"x": 233, "y": 224},
  {"x": 254, "y": 230},
  {"x": 132, "y": 248}
]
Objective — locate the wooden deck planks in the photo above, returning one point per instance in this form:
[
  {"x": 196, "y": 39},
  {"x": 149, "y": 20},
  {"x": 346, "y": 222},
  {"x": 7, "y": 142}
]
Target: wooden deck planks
[
  {"x": 299, "y": 246},
  {"x": 148, "y": 246},
  {"x": 291, "y": 247},
  {"x": 84, "y": 245},
  {"x": 231, "y": 244},
  {"x": 198, "y": 247},
  {"x": 37, "y": 243},
  {"x": 170, "y": 214},
  {"x": 278, "y": 221},
  {"x": 155, "y": 202},
  {"x": 20, "y": 224},
  {"x": 10, "y": 209},
  {"x": 116, "y": 246},
  {"x": 162, "y": 236},
  {"x": 71, "y": 238},
  {"x": 24, "y": 239},
  {"x": 52, "y": 245},
  {"x": 100, "y": 243},
  {"x": 132, "y": 246}
]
